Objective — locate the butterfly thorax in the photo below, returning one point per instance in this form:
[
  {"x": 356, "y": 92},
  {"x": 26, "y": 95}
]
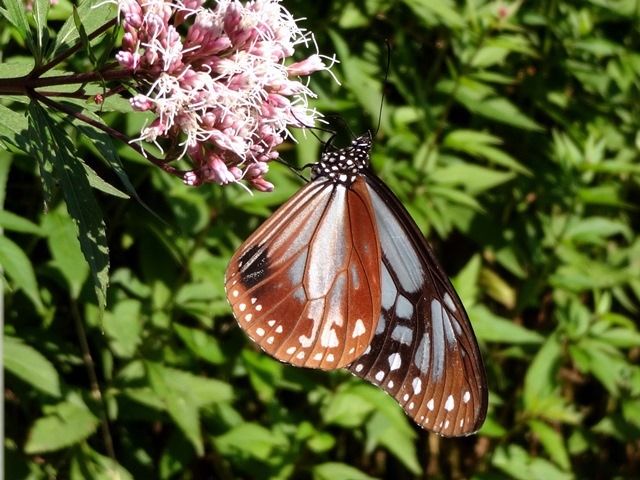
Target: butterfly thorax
[{"x": 344, "y": 165}]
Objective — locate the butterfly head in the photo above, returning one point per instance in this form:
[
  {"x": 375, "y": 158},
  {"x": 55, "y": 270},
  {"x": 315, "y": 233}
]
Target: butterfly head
[{"x": 344, "y": 165}]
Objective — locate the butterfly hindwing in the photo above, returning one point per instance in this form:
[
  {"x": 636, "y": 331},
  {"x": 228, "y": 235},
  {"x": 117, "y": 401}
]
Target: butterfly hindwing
[
  {"x": 424, "y": 352},
  {"x": 300, "y": 289}
]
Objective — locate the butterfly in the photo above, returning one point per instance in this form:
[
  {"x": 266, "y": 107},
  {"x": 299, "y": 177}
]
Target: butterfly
[{"x": 341, "y": 276}]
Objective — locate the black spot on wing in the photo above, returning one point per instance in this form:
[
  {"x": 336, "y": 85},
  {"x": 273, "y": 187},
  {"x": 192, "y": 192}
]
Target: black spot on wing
[{"x": 253, "y": 266}]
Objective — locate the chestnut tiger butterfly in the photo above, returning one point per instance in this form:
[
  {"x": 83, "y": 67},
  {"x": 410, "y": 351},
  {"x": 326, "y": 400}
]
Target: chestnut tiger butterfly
[{"x": 341, "y": 276}]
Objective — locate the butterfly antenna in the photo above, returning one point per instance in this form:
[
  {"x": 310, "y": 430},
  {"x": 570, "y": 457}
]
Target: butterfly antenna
[{"x": 384, "y": 84}]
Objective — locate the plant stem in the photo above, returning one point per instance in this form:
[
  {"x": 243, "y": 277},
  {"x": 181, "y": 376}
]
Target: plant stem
[{"x": 93, "y": 379}]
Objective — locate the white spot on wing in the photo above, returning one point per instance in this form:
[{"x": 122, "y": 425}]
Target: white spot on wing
[
  {"x": 422, "y": 356},
  {"x": 395, "y": 361},
  {"x": 260, "y": 331},
  {"x": 402, "y": 334},
  {"x": 242, "y": 307},
  {"x": 270, "y": 340},
  {"x": 279, "y": 329},
  {"x": 330, "y": 357},
  {"x": 317, "y": 356},
  {"x": 381, "y": 324},
  {"x": 359, "y": 367},
  {"x": 248, "y": 317},
  {"x": 329, "y": 338},
  {"x": 466, "y": 397},
  {"x": 379, "y": 376},
  {"x": 291, "y": 350},
  {"x": 417, "y": 385},
  {"x": 388, "y": 289},
  {"x": 404, "y": 308},
  {"x": 448, "y": 301},
  {"x": 358, "y": 329},
  {"x": 437, "y": 334},
  {"x": 271, "y": 323},
  {"x": 449, "y": 404},
  {"x": 431, "y": 405}
]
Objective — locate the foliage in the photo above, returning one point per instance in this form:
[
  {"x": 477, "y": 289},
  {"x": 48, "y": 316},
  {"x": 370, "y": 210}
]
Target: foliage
[{"x": 509, "y": 130}]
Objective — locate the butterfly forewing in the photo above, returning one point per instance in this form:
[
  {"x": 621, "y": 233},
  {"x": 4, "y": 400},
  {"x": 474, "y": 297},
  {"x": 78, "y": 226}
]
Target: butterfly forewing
[
  {"x": 424, "y": 352},
  {"x": 299, "y": 288}
]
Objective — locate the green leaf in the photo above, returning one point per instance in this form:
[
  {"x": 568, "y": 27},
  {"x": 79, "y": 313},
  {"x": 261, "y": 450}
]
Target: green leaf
[
  {"x": 473, "y": 178},
  {"x": 92, "y": 15},
  {"x": 553, "y": 443},
  {"x": 16, "y": 223},
  {"x": 17, "y": 266},
  {"x": 28, "y": 364},
  {"x": 540, "y": 381},
  {"x": 335, "y": 470},
  {"x": 40, "y": 13},
  {"x": 466, "y": 282},
  {"x": 183, "y": 393},
  {"x": 264, "y": 373},
  {"x": 435, "y": 12},
  {"x": 252, "y": 440},
  {"x": 180, "y": 403},
  {"x": 87, "y": 463},
  {"x": 81, "y": 203},
  {"x": 387, "y": 425},
  {"x": 64, "y": 425},
  {"x": 65, "y": 249},
  {"x": 203, "y": 345},
  {"x": 123, "y": 327},
  {"x": 480, "y": 144},
  {"x": 518, "y": 464},
  {"x": 14, "y": 12},
  {"x": 492, "y": 328},
  {"x": 346, "y": 408}
]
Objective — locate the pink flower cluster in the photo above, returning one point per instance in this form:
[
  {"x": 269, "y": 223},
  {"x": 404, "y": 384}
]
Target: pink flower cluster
[{"x": 217, "y": 82}]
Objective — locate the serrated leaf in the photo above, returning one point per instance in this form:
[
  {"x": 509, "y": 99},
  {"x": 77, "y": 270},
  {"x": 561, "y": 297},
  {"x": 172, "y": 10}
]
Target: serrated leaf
[
  {"x": 518, "y": 464},
  {"x": 17, "y": 266},
  {"x": 92, "y": 17},
  {"x": 492, "y": 328},
  {"x": 81, "y": 203},
  {"x": 65, "y": 424},
  {"x": 203, "y": 345},
  {"x": 16, "y": 223},
  {"x": 28, "y": 364},
  {"x": 434, "y": 12},
  {"x": 87, "y": 463},
  {"x": 553, "y": 443},
  {"x": 123, "y": 327},
  {"x": 540, "y": 381},
  {"x": 14, "y": 12},
  {"x": 65, "y": 250},
  {"x": 473, "y": 178},
  {"x": 335, "y": 470},
  {"x": 179, "y": 403},
  {"x": 250, "y": 439}
]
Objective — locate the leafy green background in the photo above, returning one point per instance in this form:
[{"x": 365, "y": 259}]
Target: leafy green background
[{"x": 511, "y": 133}]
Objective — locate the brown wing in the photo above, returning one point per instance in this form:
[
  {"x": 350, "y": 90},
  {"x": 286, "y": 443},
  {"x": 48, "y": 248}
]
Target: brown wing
[
  {"x": 305, "y": 286},
  {"x": 424, "y": 352}
]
